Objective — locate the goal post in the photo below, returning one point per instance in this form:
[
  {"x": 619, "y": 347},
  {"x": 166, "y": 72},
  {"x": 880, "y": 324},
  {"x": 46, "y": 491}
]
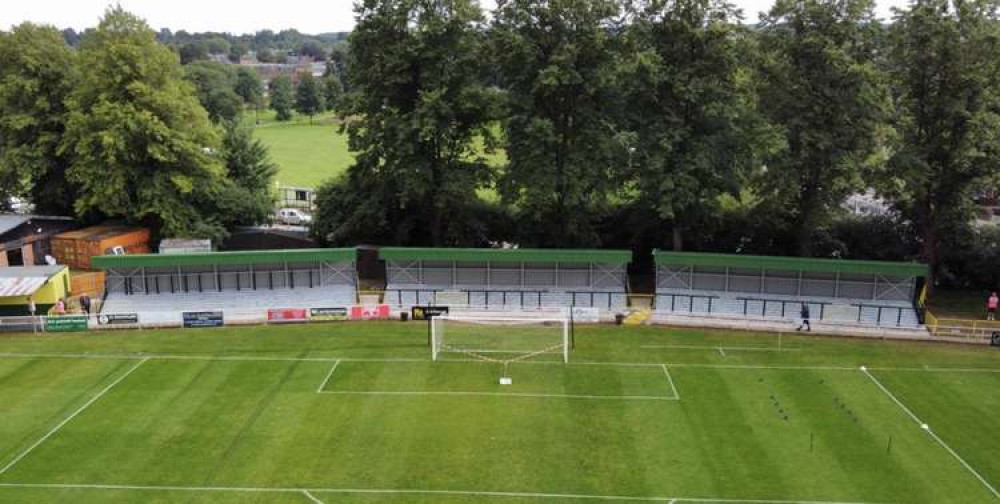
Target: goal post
[{"x": 502, "y": 339}]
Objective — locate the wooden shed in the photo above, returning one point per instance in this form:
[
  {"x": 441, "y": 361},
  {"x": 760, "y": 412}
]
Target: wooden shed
[{"x": 75, "y": 248}]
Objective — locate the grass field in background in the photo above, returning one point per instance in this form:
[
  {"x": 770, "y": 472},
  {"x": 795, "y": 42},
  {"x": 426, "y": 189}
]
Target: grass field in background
[
  {"x": 307, "y": 154},
  {"x": 357, "y": 412}
]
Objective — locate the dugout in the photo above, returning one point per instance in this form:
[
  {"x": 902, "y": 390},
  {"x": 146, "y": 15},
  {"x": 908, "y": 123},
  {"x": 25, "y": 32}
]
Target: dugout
[
  {"x": 520, "y": 278},
  {"x": 873, "y": 292},
  {"x": 227, "y": 271},
  {"x": 20, "y": 284}
]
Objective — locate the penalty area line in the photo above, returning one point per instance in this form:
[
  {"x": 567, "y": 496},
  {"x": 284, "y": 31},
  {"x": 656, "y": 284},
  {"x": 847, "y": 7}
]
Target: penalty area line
[
  {"x": 73, "y": 415},
  {"x": 457, "y": 393},
  {"x": 722, "y": 348},
  {"x": 670, "y": 380},
  {"x": 312, "y": 497},
  {"x": 930, "y": 432},
  {"x": 327, "y": 379},
  {"x": 310, "y": 493},
  {"x": 331, "y": 360}
]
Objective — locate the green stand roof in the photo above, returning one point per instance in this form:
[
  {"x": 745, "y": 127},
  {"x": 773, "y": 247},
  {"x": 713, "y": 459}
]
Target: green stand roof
[
  {"x": 224, "y": 258},
  {"x": 778, "y": 263},
  {"x": 579, "y": 256}
]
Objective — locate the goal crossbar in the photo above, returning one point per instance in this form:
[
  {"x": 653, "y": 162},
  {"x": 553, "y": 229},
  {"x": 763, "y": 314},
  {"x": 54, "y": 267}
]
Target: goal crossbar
[{"x": 492, "y": 338}]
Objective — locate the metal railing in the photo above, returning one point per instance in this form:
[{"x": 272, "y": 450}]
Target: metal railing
[{"x": 691, "y": 297}]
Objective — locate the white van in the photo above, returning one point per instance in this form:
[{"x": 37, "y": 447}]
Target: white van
[{"x": 293, "y": 217}]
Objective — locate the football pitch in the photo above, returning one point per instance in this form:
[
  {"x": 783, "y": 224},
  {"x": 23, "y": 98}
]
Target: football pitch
[{"x": 359, "y": 413}]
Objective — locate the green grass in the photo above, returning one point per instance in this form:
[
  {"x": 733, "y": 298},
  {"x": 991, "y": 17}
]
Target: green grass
[
  {"x": 308, "y": 154},
  {"x": 339, "y": 408}
]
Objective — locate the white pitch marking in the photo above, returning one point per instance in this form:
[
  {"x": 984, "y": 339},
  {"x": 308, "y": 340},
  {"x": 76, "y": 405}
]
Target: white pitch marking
[
  {"x": 670, "y": 380},
  {"x": 311, "y": 497},
  {"x": 730, "y": 348},
  {"x": 414, "y": 491},
  {"x": 327, "y": 379},
  {"x": 205, "y": 357},
  {"x": 930, "y": 432},
  {"x": 71, "y": 416},
  {"x": 494, "y": 394}
]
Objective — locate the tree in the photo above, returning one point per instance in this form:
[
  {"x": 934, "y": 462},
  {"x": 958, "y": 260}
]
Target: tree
[
  {"x": 37, "y": 74},
  {"x": 556, "y": 65},
  {"x": 249, "y": 88},
  {"x": 822, "y": 87},
  {"x": 141, "y": 144},
  {"x": 693, "y": 131},
  {"x": 266, "y": 56},
  {"x": 309, "y": 96},
  {"x": 217, "y": 45},
  {"x": 215, "y": 84},
  {"x": 236, "y": 52},
  {"x": 280, "y": 91},
  {"x": 313, "y": 49},
  {"x": 247, "y": 198},
  {"x": 332, "y": 91},
  {"x": 944, "y": 60},
  {"x": 419, "y": 104},
  {"x": 193, "y": 51}
]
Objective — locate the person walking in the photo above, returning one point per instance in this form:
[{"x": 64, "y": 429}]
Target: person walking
[
  {"x": 85, "y": 303},
  {"x": 804, "y": 313},
  {"x": 991, "y": 306}
]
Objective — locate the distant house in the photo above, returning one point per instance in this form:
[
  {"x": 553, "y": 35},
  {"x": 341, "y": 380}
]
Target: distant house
[
  {"x": 292, "y": 68},
  {"x": 25, "y": 240}
]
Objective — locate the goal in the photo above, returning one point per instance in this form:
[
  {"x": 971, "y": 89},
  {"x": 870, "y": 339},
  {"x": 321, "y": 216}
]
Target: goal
[{"x": 500, "y": 339}]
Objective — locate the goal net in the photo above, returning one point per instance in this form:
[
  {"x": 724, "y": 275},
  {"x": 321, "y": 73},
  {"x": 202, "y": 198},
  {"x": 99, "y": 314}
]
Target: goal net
[{"x": 500, "y": 339}]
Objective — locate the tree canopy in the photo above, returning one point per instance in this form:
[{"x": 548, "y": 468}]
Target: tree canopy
[
  {"x": 419, "y": 104},
  {"x": 37, "y": 75},
  {"x": 140, "y": 143}
]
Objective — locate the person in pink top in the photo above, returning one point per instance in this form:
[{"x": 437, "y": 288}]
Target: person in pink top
[{"x": 991, "y": 306}]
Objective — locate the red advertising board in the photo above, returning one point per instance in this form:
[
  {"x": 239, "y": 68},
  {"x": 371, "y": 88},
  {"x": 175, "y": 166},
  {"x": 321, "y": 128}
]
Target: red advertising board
[
  {"x": 370, "y": 312},
  {"x": 287, "y": 315}
]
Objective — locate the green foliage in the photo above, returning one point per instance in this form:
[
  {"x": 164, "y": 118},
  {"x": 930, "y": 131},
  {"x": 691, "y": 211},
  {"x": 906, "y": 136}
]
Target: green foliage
[
  {"x": 215, "y": 83},
  {"x": 139, "y": 140},
  {"x": 266, "y": 56},
  {"x": 309, "y": 99},
  {"x": 822, "y": 87},
  {"x": 556, "y": 61},
  {"x": 194, "y": 51},
  {"x": 333, "y": 89},
  {"x": 247, "y": 197},
  {"x": 944, "y": 59},
  {"x": 313, "y": 49},
  {"x": 236, "y": 52},
  {"x": 280, "y": 95},
  {"x": 693, "y": 131},
  {"x": 217, "y": 45},
  {"x": 249, "y": 86},
  {"x": 416, "y": 105},
  {"x": 37, "y": 74}
]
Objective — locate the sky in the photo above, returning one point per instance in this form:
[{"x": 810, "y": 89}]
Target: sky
[{"x": 245, "y": 16}]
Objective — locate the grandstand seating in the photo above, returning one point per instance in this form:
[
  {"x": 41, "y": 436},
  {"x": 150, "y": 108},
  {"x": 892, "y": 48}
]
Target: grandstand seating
[
  {"x": 244, "y": 284},
  {"x": 506, "y": 278},
  {"x": 864, "y": 293},
  {"x": 778, "y": 307},
  {"x": 503, "y": 297},
  {"x": 316, "y": 297}
]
